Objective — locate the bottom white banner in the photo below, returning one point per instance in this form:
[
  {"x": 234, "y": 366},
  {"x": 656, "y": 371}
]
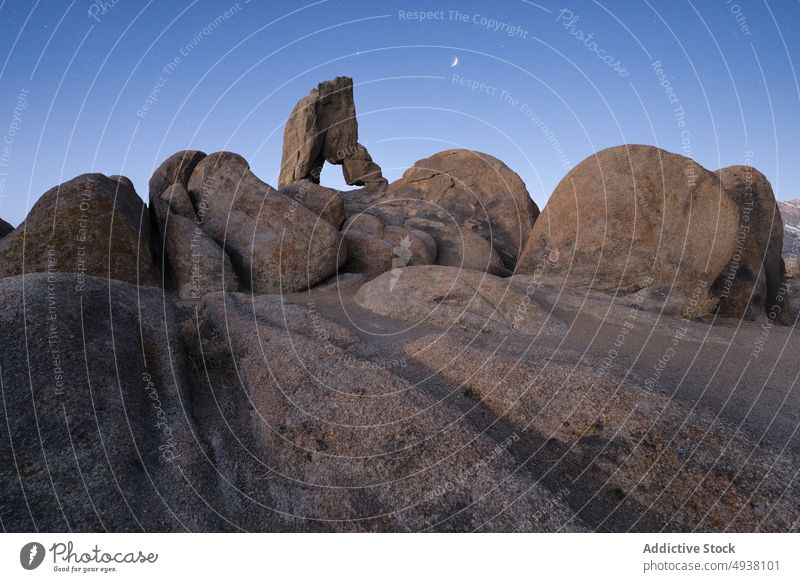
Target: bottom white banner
[{"x": 404, "y": 557}]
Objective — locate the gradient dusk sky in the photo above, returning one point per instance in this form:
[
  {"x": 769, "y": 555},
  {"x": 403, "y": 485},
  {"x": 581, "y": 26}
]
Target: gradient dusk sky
[{"x": 539, "y": 85}]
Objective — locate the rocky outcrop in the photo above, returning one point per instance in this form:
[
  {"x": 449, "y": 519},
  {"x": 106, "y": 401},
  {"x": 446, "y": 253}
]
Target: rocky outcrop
[
  {"x": 326, "y": 438},
  {"x": 192, "y": 262},
  {"x": 275, "y": 243},
  {"x": 353, "y": 361},
  {"x": 633, "y": 217},
  {"x": 91, "y": 225},
  {"x": 97, "y": 436},
  {"x": 456, "y": 298},
  {"x": 5, "y": 228},
  {"x": 476, "y": 193},
  {"x": 790, "y": 213},
  {"x": 476, "y": 209},
  {"x": 752, "y": 282},
  {"x": 321, "y": 128}
]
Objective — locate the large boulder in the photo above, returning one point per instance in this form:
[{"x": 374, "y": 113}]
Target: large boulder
[
  {"x": 91, "y": 225},
  {"x": 275, "y": 243},
  {"x": 5, "y": 228},
  {"x": 636, "y": 216},
  {"x": 752, "y": 283},
  {"x": 450, "y": 244},
  {"x": 321, "y": 128},
  {"x": 473, "y": 191},
  {"x": 97, "y": 436},
  {"x": 456, "y": 298}
]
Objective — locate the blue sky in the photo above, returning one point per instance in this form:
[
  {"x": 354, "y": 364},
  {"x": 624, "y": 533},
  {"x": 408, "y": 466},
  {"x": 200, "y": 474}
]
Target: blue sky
[{"x": 539, "y": 85}]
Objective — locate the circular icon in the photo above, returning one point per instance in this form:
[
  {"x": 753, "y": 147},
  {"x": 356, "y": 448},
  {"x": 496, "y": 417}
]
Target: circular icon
[{"x": 31, "y": 555}]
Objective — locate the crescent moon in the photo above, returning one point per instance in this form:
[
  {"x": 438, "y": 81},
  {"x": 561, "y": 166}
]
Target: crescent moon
[{"x": 455, "y": 62}]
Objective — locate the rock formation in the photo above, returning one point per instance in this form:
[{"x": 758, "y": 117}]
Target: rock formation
[
  {"x": 317, "y": 360},
  {"x": 321, "y": 128},
  {"x": 275, "y": 243},
  {"x": 476, "y": 209},
  {"x": 460, "y": 247},
  {"x": 633, "y": 217},
  {"x": 475, "y": 192},
  {"x": 92, "y": 225},
  {"x": 95, "y": 394}
]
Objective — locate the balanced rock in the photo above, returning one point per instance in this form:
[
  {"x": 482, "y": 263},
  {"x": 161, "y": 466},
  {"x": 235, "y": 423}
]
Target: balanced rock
[
  {"x": 456, "y": 298},
  {"x": 473, "y": 191},
  {"x": 275, "y": 243},
  {"x": 636, "y": 216},
  {"x": 301, "y": 143},
  {"x": 752, "y": 283},
  {"x": 91, "y": 225},
  {"x": 323, "y": 127}
]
